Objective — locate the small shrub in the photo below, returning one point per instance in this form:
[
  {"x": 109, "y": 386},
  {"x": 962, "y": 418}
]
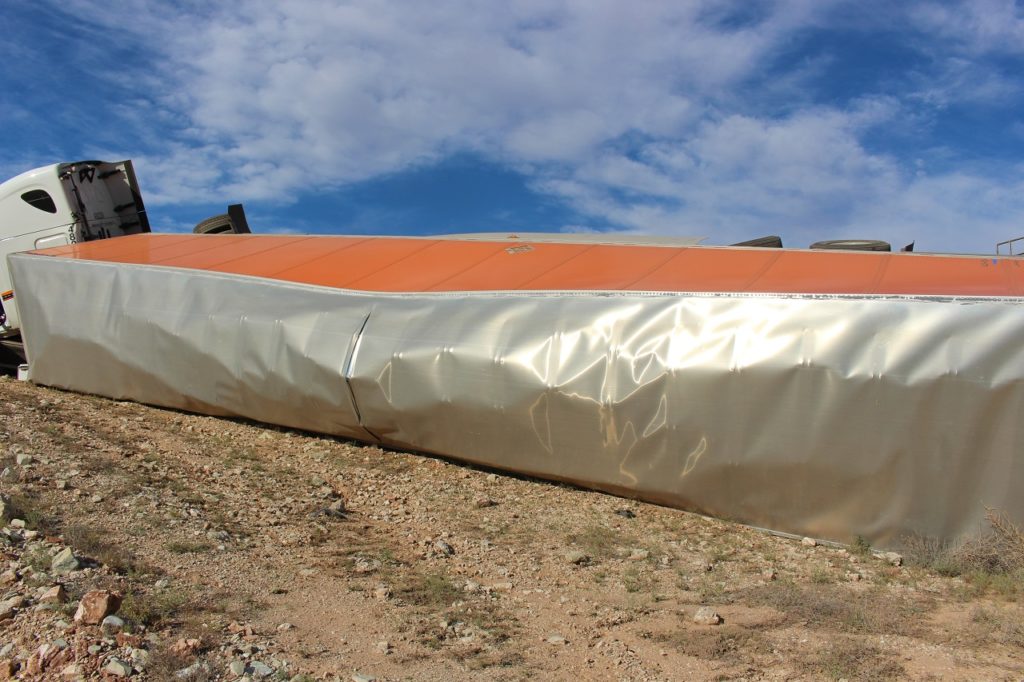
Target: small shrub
[
  {"x": 990, "y": 562},
  {"x": 434, "y": 590},
  {"x": 847, "y": 658},
  {"x": 839, "y": 608},
  {"x": 94, "y": 543},
  {"x": 154, "y": 608},
  {"x": 860, "y": 546},
  {"x": 185, "y": 547},
  {"x": 29, "y": 510},
  {"x": 597, "y": 541}
]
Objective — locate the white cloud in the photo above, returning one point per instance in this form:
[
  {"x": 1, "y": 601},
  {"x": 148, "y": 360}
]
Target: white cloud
[
  {"x": 977, "y": 26},
  {"x": 635, "y": 112}
]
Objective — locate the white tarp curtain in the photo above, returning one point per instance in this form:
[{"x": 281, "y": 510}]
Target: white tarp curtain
[{"x": 829, "y": 416}]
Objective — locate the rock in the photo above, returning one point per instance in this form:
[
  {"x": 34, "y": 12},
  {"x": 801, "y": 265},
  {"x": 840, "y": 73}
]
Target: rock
[
  {"x": 770, "y": 574},
  {"x": 17, "y": 523},
  {"x": 383, "y": 647},
  {"x": 54, "y": 595},
  {"x": 362, "y": 677},
  {"x": 117, "y": 668},
  {"x": 639, "y": 554},
  {"x": 94, "y": 649},
  {"x": 186, "y": 647},
  {"x": 236, "y": 628},
  {"x": 575, "y": 556},
  {"x": 706, "y": 616},
  {"x": 444, "y": 548},
  {"x": 484, "y": 502},
  {"x": 162, "y": 584},
  {"x": 237, "y": 668},
  {"x": 5, "y": 508},
  {"x": 196, "y": 670},
  {"x": 23, "y": 459},
  {"x": 7, "y": 669},
  {"x": 381, "y": 592},
  {"x": 625, "y": 513},
  {"x": 260, "y": 670},
  {"x": 893, "y": 558},
  {"x": 556, "y": 639},
  {"x": 337, "y": 508},
  {"x": 9, "y": 577},
  {"x": 97, "y": 605},
  {"x": 363, "y": 565},
  {"x": 140, "y": 658},
  {"x": 72, "y": 671},
  {"x": 10, "y": 607},
  {"x": 63, "y": 562},
  {"x": 125, "y": 639},
  {"x": 285, "y": 627},
  {"x": 810, "y": 542},
  {"x": 111, "y": 625},
  {"x": 60, "y": 484}
]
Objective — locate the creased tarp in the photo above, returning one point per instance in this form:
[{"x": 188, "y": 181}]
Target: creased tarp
[{"x": 823, "y": 416}]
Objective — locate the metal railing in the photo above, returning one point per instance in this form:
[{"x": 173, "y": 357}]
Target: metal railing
[{"x": 1009, "y": 247}]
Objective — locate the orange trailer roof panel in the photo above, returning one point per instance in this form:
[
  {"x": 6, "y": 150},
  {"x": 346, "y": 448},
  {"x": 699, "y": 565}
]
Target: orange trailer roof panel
[
  {"x": 603, "y": 266},
  {"x": 511, "y": 267},
  {"x": 390, "y": 264}
]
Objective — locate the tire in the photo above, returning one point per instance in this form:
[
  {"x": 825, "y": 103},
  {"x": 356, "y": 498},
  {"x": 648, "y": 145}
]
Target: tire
[
  {"x": 772, "y": 241},
  {"x": 853, "y": 245},
  {"x": 218, "y": 224}
]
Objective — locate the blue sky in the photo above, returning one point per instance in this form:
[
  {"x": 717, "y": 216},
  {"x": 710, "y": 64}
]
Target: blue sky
[{"x": 811, "y": 119}]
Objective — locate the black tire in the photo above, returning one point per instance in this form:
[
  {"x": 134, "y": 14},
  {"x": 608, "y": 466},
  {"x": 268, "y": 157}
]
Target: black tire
[
  {"x": 853, "y": 245},
  {"x": 218, "y": 224},
  {"x": 772, "y": 241}
]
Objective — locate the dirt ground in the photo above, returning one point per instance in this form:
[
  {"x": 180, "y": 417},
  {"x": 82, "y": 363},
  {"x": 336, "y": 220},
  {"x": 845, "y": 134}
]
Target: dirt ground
[{"x": 250, "y": 551}]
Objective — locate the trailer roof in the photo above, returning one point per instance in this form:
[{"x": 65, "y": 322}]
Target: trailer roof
[{"x": 393, "y": 264}]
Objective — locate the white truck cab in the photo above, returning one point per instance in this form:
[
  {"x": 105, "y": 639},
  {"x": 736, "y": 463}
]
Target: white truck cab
[{"x": 64, "y": 203}]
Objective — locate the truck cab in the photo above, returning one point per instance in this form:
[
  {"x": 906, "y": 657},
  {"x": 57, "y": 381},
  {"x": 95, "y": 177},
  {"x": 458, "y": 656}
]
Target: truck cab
[{"x": 64, "y": 203}]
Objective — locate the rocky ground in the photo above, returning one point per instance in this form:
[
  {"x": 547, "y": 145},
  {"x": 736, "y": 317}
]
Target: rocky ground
[{"x": 154, "y": 544}]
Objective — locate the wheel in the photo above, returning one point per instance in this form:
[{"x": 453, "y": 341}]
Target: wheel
[
  {"x": 853, "y": 245},
  {"x": 772, "y": 241},
  {"x": 218, "y": 224}
]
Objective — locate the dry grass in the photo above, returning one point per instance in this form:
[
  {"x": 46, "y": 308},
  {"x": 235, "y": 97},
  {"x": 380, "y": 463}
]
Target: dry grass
[
  {"x": 155, "y": 607},
  {"x": 435, "y": 590},
  {"x": 35, "y": 515},
  {"x": 187, "y": 547},
  {"x": 727, "y": 643},
  {"x": 849, "y": 658},
  {"x": 96, "y": 544},
  {"x": 598, "y": 542},
  {"x": 840, "y": 608},
  {"x": 991, "y": 563}
]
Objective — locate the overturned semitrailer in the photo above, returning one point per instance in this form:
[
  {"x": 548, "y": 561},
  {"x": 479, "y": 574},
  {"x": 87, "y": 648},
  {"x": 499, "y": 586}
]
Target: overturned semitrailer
[{"x": 822, "y": 393}]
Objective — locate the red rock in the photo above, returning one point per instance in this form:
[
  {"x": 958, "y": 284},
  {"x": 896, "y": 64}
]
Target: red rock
[
  {"x": 58, "y": 659},
  {"x": 124, "y": 639},
  {"x": 97, "y": 605},
  {"x": 186, "y": 647},
  {"x": 55, "y": 594}
]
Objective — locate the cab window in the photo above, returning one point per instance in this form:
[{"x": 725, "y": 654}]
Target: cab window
[{"x": 40, "y": 200}]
